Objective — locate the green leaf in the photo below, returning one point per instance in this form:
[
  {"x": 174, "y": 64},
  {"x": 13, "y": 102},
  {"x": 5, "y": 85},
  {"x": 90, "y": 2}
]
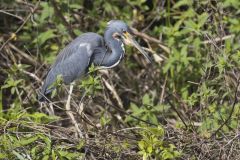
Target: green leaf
[
  {"x": 46, "y": 157},
  {"x": 183, "y": 3},
  {"x": 134, "y": 107},
  {"x": 104, "y": 121},
  {"x": 153, "y": 118},
  {"x": 3, "y": 156},
  {"x": 44, "y": 36},
  {"x": 149, "y": 149},
  {"x": 70, "y": 155},
  {"x": 25, "y": 141},
  {"x": 146, "y": 100},
  {"x": 41, "y": 117},
  {"x": 141, "y": 145},
  {"x": 202, "y": 19},
  {"x": 191, "y": 24},
  {"x": 47, "y": 11}
]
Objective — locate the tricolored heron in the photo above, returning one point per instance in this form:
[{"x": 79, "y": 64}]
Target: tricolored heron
[{"x": 90, "y": 48}]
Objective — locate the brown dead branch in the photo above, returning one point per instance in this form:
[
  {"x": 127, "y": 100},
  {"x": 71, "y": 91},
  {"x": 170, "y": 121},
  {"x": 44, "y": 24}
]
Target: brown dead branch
[
  {"x": 113, "y": 91},
  {"x": 218, "y": 39},
  {"x": 24, "y": 55}
]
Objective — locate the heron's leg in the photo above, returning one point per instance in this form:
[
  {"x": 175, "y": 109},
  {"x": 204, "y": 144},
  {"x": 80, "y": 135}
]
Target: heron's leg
[
  {"x": 69, "y": 113},
  {"x": 51, "y": 108},
  {"x": 69, "y": 96}
]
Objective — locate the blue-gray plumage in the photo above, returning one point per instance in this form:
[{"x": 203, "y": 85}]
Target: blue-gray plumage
[{"x": 90, "y": 48}]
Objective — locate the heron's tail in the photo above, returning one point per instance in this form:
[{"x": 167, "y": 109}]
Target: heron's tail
[
  {"x": 41, "y": 97},
  {"x": 47, "y": 89},
  {"x": 44, "y": 93}
]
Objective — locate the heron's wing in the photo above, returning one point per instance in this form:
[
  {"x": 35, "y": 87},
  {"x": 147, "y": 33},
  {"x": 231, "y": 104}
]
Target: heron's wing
[
  {"x": 74, "y": 63},
  {"x": 71, "y": 63},
  {"x": 87, "y": 41}
]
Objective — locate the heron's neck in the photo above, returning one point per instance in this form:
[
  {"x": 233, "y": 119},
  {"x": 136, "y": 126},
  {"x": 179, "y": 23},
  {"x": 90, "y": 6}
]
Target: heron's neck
[{"x": 115, "y": 51}]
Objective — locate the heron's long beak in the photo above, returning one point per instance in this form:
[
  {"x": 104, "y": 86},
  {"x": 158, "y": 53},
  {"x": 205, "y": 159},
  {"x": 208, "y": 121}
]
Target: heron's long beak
[{"x": 128, "y": 39}]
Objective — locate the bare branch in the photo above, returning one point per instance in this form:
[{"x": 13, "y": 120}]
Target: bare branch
[{"x": 231, "y": 113}]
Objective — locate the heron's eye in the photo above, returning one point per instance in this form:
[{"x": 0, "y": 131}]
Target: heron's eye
[{"x": 116, "y": 36}]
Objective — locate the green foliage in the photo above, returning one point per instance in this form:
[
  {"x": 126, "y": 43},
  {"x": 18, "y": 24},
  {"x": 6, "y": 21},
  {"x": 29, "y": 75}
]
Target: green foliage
[
  {"x": 43, "y": 148},
  {"x": 43, "y": 37},
  {"x": 11, "y": 83},
  {"x": 215, "y": 116},
  {"x": 148, "y": 111},
  {"x": 198, "y": 75},
  {"x": 104, "y": 121},
  {"x": 91, "y": 84},
  {"x": 153, "y": 145},
  {"x": 35, "y": 145}
]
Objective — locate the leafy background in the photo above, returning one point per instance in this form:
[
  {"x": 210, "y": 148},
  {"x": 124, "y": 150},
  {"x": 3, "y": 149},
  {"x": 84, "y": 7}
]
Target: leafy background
[{"x": 185, "y": 105}]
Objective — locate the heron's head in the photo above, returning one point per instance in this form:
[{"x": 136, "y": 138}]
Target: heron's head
[{"x": 122, "y": 32}]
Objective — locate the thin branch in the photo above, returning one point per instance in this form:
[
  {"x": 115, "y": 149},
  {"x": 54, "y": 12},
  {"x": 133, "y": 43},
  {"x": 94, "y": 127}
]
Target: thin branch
[
  {"x": 32, "y": 75},
  {"x": 23, "y": 54},
  {"x": 13, "y": 15},
  {"x": 231, "y": 113},
  {"x": 163, "y": 89},
  {"x": 103, "y": 103},
  {"x": 179, "y": 115},
  {"x": 113, "y": 91},
  {"x": 218, "y": 39}
]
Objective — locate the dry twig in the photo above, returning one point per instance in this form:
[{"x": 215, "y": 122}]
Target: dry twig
[{"x": 113, "y": 91}]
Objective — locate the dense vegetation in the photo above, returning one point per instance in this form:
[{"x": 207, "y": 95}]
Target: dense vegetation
[{"x": 185, "y": 105}]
